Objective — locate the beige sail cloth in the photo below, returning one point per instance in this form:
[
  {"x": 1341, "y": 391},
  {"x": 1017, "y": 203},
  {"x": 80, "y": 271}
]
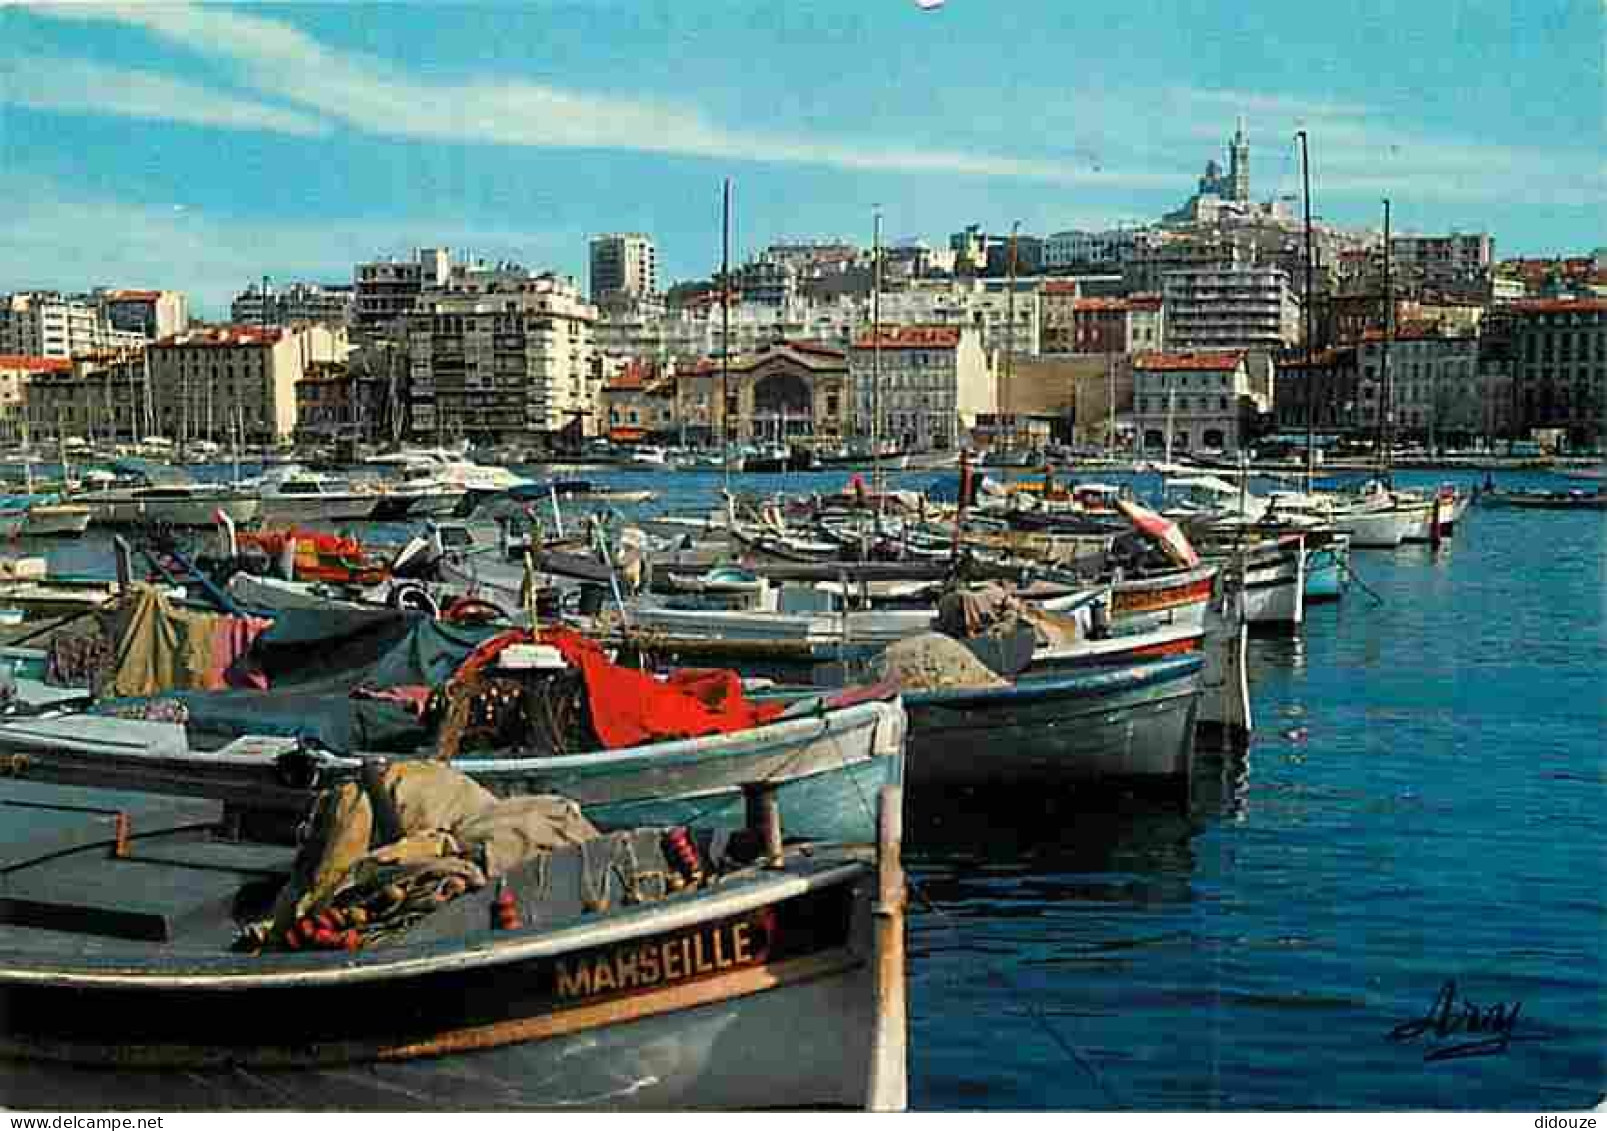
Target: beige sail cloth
[
  {"x": 157, "y": 647},
  {"x": 965, "y": 613}
]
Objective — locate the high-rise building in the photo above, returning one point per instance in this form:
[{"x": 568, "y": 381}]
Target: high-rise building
[
  {"x": 1230, "y": 308},
  {"x": 513, "y": 360},
  {"x": 47, "y": 324},
  {"x": 388, "y": 289},
  {"x": 290, "y": 303},
  {"x": 1239, "y": 165},
  {"x": 623, "y": 264}
]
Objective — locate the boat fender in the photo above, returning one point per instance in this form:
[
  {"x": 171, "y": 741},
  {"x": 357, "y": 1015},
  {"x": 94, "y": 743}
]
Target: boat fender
[
  {"x": 683, "y": 853},
  {"x": 505, "y": 909}
]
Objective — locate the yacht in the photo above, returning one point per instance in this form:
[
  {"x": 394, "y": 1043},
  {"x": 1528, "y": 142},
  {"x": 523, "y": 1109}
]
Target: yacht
[
  {"x": 415, "y": 485},
  {"x": 141, "y": 491},
  {"x": 294, "y": 494}
]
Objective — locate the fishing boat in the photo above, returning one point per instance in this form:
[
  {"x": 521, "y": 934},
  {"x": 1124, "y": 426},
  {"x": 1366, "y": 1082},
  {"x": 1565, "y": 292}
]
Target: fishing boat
[
  {"x": 1572, "y": 500},
  {"x": 1112, "y": 725},
  {"x": 265, "y": 748},
  {"x": 1327, "y": 566},
  {"x": 577, "y": 977},
  {"x": 581, "y": 491}
]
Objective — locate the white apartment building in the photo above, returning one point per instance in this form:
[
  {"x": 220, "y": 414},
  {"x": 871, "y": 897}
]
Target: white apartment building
[
  {"x": 1227, "y": 308},
  {"x": 151, "y": 314},
  {"x": 513, "y": 360},
  {"x": 982, "y": 304},
  {"x": 46, "y": 324},
  {"x": 623, "y": 263},
  {"x": 1458, "y": 256},
  {"x": 292, "y": 303},
  {"x": 1110, "y": 248},
  {"x": 387, "y": 289},
  {"x": 928, "y": 383},
  {"x": 201, "y": 379}
]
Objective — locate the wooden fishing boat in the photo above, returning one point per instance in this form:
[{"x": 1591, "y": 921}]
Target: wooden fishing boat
[
  {"x": 126, "y": 984},
  {"x": 824, "y": 757},
  {"x": 1572, "y": 500},
  {"x": 1131, "y": 724}
]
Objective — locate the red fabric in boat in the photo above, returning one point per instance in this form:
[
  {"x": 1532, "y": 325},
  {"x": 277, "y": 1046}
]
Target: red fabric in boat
[{"x": 632, "y": 708}]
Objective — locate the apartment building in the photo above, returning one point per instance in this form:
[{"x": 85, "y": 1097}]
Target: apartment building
[
  {"x": 514, "y": 360},
  {"x": 100, "y": 395},
  {"x": 1230, "y": 308},
  {"x": 623, "y": 263},
  {"x": 386, "y": 290},
  {"x": 929, "y": 384},
  {"x": 48, "y": 324},
  {"x": 286, "y": 305},
  {"x": 1559, "y": 360},
  {"x": 1203, "y": 400},
  {"x": 151, "y": 314}
]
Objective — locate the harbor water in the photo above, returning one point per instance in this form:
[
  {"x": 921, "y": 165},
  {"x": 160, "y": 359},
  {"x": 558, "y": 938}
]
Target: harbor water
[{"x": 1419, "y": 814}]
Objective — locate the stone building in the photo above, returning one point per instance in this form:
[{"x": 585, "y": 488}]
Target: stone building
[
  {"x": 929, "y": 384},
  {"x": 1204, "y": 399}
]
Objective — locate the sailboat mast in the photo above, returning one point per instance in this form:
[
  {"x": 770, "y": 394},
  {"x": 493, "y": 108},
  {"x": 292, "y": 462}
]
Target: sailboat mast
[
  {"x": 1311, "y": 376},
  {"x": 876, "y": 357},
  {"x": 1386, "y": 440},
  {"x": 1010, "y": 338},
  {"x": 725, "y": 333}
]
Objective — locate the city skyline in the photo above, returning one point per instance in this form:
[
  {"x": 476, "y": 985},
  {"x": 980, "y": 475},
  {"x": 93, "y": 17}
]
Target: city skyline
[{"x": 199, "y": 148}]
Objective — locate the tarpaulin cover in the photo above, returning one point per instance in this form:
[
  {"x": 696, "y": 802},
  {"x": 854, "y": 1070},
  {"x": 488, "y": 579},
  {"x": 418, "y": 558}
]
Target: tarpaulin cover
[
  {"x": 631, "y": 708},
  {"x": 344, "y": 648},
  {"x": 159, "y": 648},
  {"x": 314, "y": 660}
]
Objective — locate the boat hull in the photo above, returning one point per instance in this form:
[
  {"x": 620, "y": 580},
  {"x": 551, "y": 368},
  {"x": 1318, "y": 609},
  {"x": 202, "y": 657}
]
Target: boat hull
[
  {"x": 824, "y": 766},
  {"x": 1377, "y": 529},
  {"x": 56, "y": 521},
  {"x": 1132, "y": 724},
  {"x": 200, "y": 511},
  {"x": 328, "y": 508},
  {"x": 784, "y": 1015}
]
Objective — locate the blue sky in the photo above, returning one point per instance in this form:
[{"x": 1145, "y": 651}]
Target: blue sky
[{"x": 202, "y": 146}]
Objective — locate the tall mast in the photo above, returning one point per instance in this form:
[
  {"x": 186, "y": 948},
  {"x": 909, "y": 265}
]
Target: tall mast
[
  {"x": 1010, "y": 338},
  {"x": 725, "y": 333},
  {"x": 1311, "y": 376},
  {"x": 876, "y": 356},
  {"x": 1385, "y": 399}
]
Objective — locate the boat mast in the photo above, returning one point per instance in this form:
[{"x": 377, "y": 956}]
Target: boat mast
[
  {"x": 725, "y": 334},
  {"x": 1311, "y": 397},
  {"x": 1010, "y": 339},
  {"x": 1386, "y": 455},
  {"x": 876, "y": 358}
]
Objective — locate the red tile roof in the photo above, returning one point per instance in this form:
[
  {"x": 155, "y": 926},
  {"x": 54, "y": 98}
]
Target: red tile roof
[
  {"x": 133, "y": 296},
  {"x": 1088, "y": 305},
  {"x": 1060, "y": 287},
  {"x": 224, "y": 336},
  {"x": 35, "y": 364},
  {"x": 1218, "y": 361},
  {"x": 912, "y": 337}
]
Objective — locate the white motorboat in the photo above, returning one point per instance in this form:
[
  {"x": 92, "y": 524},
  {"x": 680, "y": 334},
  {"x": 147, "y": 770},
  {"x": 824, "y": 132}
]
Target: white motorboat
[
  {"x": 294, "y": 494},
  {"x": 56, "y": 520},
  {"x": 144, "y": 491}
]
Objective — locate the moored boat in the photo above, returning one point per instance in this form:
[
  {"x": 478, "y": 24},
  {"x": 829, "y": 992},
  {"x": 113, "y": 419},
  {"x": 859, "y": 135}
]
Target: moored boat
[{"x": 580, "y": 978}]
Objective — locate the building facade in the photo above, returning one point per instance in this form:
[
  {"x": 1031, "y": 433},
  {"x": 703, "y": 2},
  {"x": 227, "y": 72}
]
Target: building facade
[
  {"x": 1232, "y": 308},
  {"x": 103, "y": 395},
  {"x": 151, "y": 314},
  {"x": 259, "y": 305},
  {"x": 48, "y": 324},
  {"x": 385, "y": 291},
  {"x": 1458, "y": 257},
  {"x": 1559, "y": 359},
  {"x": 929, "y": 384},
  {"x": 514, "y": 361},
  {"x": 623, "y": 264},
  {"x": 1327, "y": 386},
  {"x": 202, "y": 380},
  {"x": 18, "y": 373},
  {"x": 1204, "y": 401}
]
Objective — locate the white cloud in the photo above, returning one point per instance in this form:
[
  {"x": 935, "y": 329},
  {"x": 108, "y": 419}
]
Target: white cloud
[
  {"x": 367, "y": 94},
  {"x": 85, "y": 87},
  {"x": 65, "y": 239}
]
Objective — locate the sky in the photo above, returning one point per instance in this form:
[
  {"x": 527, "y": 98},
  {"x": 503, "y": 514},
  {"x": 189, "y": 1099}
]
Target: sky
[{"x": 200, "y": 147}]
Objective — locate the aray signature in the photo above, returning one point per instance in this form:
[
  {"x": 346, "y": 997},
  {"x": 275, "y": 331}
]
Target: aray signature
[{"x": 1488, "y": 1027}]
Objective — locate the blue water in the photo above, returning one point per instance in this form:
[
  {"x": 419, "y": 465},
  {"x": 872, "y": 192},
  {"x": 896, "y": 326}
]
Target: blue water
[{"x": 1422, "y": 801}]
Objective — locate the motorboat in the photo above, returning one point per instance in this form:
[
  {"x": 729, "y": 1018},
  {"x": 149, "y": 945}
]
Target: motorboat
[
  {"x": 143, "y": 491},
  {"x": 294, "y": 494}
]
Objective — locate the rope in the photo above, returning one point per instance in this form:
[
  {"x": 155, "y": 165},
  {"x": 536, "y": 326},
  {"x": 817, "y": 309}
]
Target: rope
[
  {"x": 1344, "y": 564},
  {"x": 994, "y": 973}
]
